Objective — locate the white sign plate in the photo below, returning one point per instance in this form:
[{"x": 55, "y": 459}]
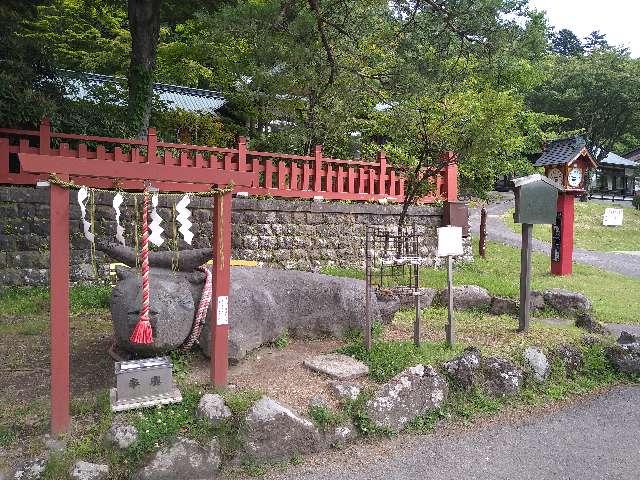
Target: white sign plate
[
  {"x": 450, "y": 241},
  {"x": 223, "y": 311},
  {"x": 613, "y": 217}
]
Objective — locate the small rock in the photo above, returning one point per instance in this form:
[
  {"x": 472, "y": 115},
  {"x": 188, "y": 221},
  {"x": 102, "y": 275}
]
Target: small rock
[
  {"x": 338, "y": 366},
  {"x": 501, "y": 377},
  {"x": 274, "y": 432},
  {"x": 565, "y": 301},
  {"x": 537, "y": 362},
  {"x": 30, "y": 470},
  {"x": 570, "y": 356},
  {"x": 54, "y": 444},
  {"x": 625, "y": 358},
  {"x": 89, "y": 471},
  {"x": 466, "y": 297},
  {"x": 536, "y": 301},
  {"x": 463, "y": 369},
  {"x": 121, "y": 435},
  {"x": 183, "y": 458},
  {"x": 319, "y": 400},
  {"x": 406, "y": 297},
  {"x": 586, "y": 321},
  {"x": 626, "y": 338},
  {"x": 345, "y": 391},
  {"x": 411, "y": 393},
  {"x": 503, "y": 306},
  {"x": 389, "y": 304},
  {"x": 342, "y": 435},
  {"x": 212, "y": 408}
]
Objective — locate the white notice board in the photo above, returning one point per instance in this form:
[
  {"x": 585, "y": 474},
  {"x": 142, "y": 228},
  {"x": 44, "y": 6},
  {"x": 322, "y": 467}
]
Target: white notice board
[
  {"x": 450, "y": 241},
  {"x": 613, "y": 217}
]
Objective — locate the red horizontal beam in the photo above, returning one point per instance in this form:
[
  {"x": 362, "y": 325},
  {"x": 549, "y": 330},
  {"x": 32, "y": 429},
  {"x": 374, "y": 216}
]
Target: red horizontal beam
[{"x": 35, "y": 163}]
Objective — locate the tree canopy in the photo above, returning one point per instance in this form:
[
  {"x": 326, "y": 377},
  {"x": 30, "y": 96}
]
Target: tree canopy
[{"x": 488, "y": 79}]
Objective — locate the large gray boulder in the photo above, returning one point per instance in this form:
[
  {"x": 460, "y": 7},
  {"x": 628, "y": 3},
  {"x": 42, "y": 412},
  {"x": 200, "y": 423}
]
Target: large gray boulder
[
  {"x": 265, "y": 302},
  {"x": 183, "y": 458},
  {"x": 567, "y": 302},
  {"x": 570, "y": 356},
  {"x": 172, "y": 309},
  {"x": 411, "y": 393},
  {"x": 30, "y": 470},
  {"x": 427, "y": 296},
  {"x": 121, "y": 435},
  {"x": 274, "y": 432},
  {"x": 501, "y": 377},
  {"x": 503, "y": 306},
  {"x": 464, "y": 369},
  {"x": 466, "y": 297}
]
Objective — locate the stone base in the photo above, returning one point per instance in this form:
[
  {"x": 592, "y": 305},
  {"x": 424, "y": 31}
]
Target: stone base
[{"x": 121, "y": 405}]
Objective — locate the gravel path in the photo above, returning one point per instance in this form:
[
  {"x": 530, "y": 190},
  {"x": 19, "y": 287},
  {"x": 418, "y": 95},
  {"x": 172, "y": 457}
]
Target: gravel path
[
  {"x": 593, "y": 439},
  {"x": 497, "y": 230}
]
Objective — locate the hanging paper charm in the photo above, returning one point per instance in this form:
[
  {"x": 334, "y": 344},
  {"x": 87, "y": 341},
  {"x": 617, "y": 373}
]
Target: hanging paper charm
[
  {"x": 183, "y": 218},
  {"x": 117, "y": 201},
  {"x": 83, "y": 195},
  {"x": 156, "y": 230}
]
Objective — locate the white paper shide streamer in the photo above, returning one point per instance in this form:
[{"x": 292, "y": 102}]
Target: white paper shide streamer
[
  {"x": 183, "y": 218},
  {"x": 83, "y": 195},
  {"x": 117, "y": 201},
  {"x": 154, "y": 227}
]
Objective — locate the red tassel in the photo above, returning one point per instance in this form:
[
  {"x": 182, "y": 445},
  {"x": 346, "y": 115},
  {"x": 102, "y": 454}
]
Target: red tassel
[{"x": 142, "y": 334}]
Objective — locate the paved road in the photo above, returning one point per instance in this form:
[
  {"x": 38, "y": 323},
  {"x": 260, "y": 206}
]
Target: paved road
[
  {"x": 496, "y": 230},
  {"x": 593, "y": 439}
]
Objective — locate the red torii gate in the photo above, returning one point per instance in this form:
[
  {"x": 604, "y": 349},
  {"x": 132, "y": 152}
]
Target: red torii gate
[{"x": 133, "y": 171}]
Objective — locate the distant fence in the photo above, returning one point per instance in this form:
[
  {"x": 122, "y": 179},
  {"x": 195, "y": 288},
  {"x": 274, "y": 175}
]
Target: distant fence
[{"x": 274, "y": 174}]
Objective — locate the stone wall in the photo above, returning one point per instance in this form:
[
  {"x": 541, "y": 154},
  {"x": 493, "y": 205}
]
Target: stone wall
[{"x": 301, "y": 235}]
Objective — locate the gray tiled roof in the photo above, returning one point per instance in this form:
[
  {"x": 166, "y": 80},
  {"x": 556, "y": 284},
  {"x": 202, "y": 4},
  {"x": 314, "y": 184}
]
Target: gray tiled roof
[
  {"x": 174, "y": 96},
  {"x": 561, "y": 152},
  {"x": 614, "y": 159}
]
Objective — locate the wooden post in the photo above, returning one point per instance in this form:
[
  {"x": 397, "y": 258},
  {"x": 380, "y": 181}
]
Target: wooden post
[
  {"x": 220, "y": 296},
  {"x": 317, "y": 183},
  {"x": 450, "y": 331},
  {"x": 242, "y": 154},
  {"x": 483, "y": 233},
  {"x": 525, "y": 277},
  {"x": 367, "y": 301},
  {"x": 152, "y": 141},
  {"x": 382, "y": 159},
  {"x": 59, "y": 309},
  {"x": 416, "y": 297},
  {"x": 45, "y": 137},
  {"x": 451, "y": 177}
]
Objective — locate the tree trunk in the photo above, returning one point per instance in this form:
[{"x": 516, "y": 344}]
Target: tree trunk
[{"x": 144, "y": 25}]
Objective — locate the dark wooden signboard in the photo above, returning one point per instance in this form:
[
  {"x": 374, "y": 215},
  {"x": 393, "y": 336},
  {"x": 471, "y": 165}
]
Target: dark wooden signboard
[{"x": 556, "y": 238}]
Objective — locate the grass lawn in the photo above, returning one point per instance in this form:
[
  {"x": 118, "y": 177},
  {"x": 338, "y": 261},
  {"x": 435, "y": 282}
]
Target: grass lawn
[
  {"x": 615, "y": 297},
  {"x": 589, "y": 233}
]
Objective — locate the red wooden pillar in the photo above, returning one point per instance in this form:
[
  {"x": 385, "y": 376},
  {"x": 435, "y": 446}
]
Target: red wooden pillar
[
  {"x": 382, "y": 160},
  {"x": 317, "y": 182},
  {"x": 562, "y": 264},
  {"x": 451, "y": 177},
  {"x": 59, "y": 314},
  {"x": 221, "y": 283}
]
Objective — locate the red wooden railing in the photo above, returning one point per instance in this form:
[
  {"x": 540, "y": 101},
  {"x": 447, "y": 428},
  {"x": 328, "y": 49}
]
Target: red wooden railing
[{"x": 274, "y": 174}]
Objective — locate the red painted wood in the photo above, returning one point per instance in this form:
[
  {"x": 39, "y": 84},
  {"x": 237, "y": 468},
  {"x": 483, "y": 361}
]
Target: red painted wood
[
  {"x": 317, "y": 172},
  {"x": 152, "y": 144},
  {"x": 566, "y": 205},
  {"x": 59, "y": 309},
  {"x": 242, "y": 154},
  {"x": 4, "y": 158},
  {"x": 373, "y": 178},
  {"x": 382, "y": 176},
  {"x": 222, "y": 274},
  {"x": 129, "y": 171},
  {"x": 45, "y": 136},
  {"x": 268, "y": 173}
]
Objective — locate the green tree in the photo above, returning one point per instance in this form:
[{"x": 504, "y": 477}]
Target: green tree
[{"x": 565, "y": 42}]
